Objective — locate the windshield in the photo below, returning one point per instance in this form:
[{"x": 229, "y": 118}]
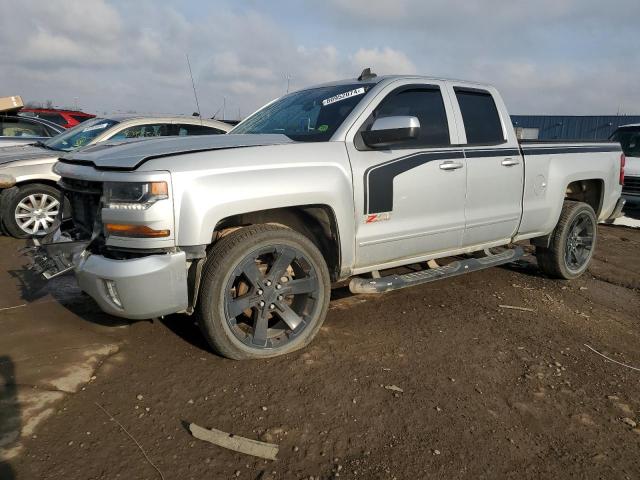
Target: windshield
[
  {"x": 629, "y": 139},
  {"x": 309, "y": 115},
  {"x": 80, "y": 135}
]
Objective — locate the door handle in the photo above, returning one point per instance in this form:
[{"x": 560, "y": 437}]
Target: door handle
[
  {"x": 510, "y": 162},
  {"x": 450, "y": 165}
]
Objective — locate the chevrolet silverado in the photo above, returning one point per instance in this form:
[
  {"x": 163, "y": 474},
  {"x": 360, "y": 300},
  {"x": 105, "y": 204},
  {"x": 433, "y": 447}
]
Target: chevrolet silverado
[{"x": 349, "y": 179}]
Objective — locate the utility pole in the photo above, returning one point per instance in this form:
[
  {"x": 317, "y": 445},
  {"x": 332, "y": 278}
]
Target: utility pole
[{"x": 224, "y": 108}]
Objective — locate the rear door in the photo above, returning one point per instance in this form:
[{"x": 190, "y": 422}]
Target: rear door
[
  {"x": 409, "y": 197},
  {"x": 495, "y": 169}
]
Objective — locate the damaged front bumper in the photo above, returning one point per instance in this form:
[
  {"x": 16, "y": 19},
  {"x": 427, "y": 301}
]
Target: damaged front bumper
[{"x": 135, "y": 288}]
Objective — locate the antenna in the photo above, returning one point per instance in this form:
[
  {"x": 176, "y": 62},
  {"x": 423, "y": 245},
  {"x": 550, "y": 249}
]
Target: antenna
[
  {"x": 194, "y": 88},
  {"x": 287, "y": 77},
  {"x": 366, "y": 74}
]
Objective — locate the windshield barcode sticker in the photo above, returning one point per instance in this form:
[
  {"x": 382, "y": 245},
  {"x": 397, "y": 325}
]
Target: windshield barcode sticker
[
  {"x": 96, "y": 127},
  {"x": 343, "y": 96}
]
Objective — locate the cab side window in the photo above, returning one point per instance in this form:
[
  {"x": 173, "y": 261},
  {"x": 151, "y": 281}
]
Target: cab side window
[
  {"x": 144, "y": 131},
  {"x": 427, "y": 105},
  {"x": 186, "y": 129},
  {"x": 480, "y": 116}
]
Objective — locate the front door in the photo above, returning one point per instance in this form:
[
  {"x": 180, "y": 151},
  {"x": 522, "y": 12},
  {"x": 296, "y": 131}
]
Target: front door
[{"x": 409, "y": 197}]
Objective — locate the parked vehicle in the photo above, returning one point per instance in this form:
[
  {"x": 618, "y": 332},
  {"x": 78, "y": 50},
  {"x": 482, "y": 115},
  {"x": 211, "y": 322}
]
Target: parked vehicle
[
  {"x": 29, "y": 197},
  {"x": 15, "y": 130},
  {"x": 629, "y": 138},
  {"x": 345, "y": 179},
  {"x": 64, "y": 118}
]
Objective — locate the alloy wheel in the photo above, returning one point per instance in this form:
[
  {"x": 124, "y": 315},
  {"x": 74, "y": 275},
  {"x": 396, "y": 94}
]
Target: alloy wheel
[
  {"x": 36, "y": 213},
  {"x": 579, "y": 245},
  {"x": 270, "y": 296}
]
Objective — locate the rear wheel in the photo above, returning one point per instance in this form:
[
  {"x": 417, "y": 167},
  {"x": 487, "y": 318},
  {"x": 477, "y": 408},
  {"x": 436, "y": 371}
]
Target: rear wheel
[
  {"x": 265, "y": 292},
  {"x": 572, "y": 242},
  {"x": 33, "y": 210}
]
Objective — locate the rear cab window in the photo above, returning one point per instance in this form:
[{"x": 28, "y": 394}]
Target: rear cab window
[{"x": 480, "y": 116}]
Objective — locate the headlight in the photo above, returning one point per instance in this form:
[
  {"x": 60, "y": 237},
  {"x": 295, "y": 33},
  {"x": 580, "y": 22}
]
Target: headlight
[{"x": 134, "y": 195}]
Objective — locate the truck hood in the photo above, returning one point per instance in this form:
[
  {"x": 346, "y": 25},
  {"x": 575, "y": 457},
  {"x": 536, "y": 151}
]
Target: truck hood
[
  {"x": 131, "y": 154},
  {"x": 25, "y": 152}
]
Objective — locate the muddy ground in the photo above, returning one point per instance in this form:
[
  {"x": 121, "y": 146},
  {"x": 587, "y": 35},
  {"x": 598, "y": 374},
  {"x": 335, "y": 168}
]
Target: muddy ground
[{"x": 487, "y": 392}]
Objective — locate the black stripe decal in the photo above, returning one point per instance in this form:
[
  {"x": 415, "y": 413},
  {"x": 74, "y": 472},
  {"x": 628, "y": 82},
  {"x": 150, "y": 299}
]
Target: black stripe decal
[
  {"x": 378, "y": 179},
  {"x": 559, "y": 150}
]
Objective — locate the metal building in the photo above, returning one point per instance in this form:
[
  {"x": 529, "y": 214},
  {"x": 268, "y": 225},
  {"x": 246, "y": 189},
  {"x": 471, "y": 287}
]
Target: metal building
[{"x": 569, "y": 127}]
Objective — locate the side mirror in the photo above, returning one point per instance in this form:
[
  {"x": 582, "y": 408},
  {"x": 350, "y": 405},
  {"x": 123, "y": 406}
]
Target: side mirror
[{"x": 386, "y": 131}]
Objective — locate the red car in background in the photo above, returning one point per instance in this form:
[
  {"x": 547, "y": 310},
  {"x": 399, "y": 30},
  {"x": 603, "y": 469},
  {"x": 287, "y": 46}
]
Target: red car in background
[{"x": 64, "y": 118}]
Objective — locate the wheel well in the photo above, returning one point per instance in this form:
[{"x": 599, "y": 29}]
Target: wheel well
[
  {"x": 317, "y": 222},
  {"x": 51, "y": 183},
  {"x": 587, "y": 191}
]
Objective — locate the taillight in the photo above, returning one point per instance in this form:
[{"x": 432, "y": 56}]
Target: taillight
[{"x": 623, "y": 160}]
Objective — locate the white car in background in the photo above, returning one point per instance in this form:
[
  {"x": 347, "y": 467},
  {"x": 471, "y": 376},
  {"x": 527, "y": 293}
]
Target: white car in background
[
  {"x": 629, "y": 138},
  {"x": 29, "y": 196}
]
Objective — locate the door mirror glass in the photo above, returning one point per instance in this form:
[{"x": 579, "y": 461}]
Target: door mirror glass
[{"x": 388, "y": 131}]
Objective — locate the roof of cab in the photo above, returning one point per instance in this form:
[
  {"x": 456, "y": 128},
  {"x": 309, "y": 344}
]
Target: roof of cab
[{"x": 390, "y": 78}]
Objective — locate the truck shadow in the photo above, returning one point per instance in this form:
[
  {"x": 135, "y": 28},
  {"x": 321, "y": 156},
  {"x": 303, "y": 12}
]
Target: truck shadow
[
  {"x": 187, "y": 328},
  {"x": 10, "y": 423}
]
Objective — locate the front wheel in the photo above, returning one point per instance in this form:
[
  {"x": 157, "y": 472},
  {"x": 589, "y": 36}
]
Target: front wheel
[
  {"x": 264, "y": 292},
  {"x": 572, "y": 242},
  {"x": 33, "y": 210}
]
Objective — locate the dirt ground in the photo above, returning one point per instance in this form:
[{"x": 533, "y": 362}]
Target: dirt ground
[{"x": 486, "y": 392}]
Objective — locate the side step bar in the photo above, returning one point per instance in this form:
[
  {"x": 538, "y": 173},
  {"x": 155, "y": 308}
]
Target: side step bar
[{"x": 395, "y": 282}]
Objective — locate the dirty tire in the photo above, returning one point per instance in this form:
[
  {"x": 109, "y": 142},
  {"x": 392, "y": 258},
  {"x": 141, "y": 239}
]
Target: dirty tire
[
  {"x": 305, "y": 284},
  {"x": 552, "y": 260},
  {"x": 38, "y": 191}
]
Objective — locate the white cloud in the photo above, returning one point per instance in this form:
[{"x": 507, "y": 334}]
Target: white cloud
[
  {"x": 550, "y": 56},
  {"x": 384, "y": 61}
]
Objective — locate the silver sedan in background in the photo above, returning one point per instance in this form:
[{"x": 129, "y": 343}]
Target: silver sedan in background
[{"x": 30, "y": 200}]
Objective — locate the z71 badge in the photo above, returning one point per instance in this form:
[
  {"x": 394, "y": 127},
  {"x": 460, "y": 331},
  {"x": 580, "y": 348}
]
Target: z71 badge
[{"x": 377, "y": 217}]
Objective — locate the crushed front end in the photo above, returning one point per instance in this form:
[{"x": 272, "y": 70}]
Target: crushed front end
[{"x": 119, "y": 242}]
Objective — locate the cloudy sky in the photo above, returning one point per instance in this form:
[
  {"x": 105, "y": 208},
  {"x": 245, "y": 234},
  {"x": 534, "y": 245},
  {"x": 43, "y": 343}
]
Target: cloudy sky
[{"x": 546, "y": 56}]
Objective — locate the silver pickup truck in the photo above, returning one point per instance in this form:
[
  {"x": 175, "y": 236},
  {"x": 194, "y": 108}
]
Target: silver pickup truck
[{"x": 349, "y": 179}]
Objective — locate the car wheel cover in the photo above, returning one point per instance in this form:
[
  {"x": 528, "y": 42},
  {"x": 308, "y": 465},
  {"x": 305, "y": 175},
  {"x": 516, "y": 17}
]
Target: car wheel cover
[{"x": 36, "y": 213}]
